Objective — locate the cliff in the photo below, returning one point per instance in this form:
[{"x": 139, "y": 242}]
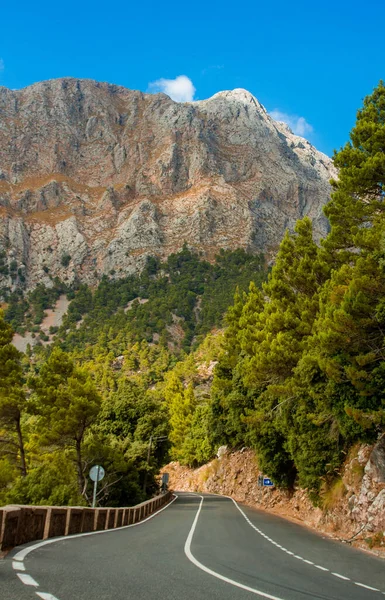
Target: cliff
[{"x": 95, "y": 177}]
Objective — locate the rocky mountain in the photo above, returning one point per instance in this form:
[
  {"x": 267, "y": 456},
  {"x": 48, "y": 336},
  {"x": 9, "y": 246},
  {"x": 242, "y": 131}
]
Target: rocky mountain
[{"x": 95, "y": 177}]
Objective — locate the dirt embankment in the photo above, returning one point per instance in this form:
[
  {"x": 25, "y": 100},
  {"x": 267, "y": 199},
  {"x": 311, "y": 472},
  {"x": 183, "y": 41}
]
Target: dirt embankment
[{"x": 353, "y": 509}]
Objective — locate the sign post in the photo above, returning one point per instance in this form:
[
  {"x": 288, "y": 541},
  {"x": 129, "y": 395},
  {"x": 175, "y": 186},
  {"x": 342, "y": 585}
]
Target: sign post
[
  {"x": 165, "y": 479},
  {"x": 263, "y": 481},
  {"x": 96, "y": 474}
]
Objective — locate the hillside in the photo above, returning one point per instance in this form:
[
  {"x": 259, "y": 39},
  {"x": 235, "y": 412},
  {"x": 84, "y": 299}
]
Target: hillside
[
  {"x": 353, "y": 511},
  {"x": 189, "y": 355},
  {"x": 175, "y": 303},
  {"x": 95, "y": 177}
]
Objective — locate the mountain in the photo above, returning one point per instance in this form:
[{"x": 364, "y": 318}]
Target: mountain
[{"x": 95, "y": 177}]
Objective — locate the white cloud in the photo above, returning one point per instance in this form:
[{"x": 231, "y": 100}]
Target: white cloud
[
  {"x": 298, "y": 125},
  {"x": 2, "y": 65},
  {"x": 180, "y": 89}
]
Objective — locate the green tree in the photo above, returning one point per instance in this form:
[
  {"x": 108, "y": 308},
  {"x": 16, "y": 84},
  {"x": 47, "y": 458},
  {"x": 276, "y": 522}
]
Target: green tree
[
  {"x": 357, "y": 202},
  {"x": 12, "y": 397},
  {"x": 282, "y": 328},
  {"x": 181, "y": 404},
  {"x": 68, "y": 404}
]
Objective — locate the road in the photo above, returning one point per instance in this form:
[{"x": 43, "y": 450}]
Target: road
[{"x": 197, "y": 548}]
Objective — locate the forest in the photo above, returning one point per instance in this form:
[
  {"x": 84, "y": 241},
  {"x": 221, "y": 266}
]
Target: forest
[
  {"x": 95, "y": 394},
  {"x": 288, "y": 361}
]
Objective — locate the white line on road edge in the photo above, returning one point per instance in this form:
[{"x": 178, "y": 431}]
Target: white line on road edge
[
  {"x": 368, "y": 587},
  {"x": 187, "y": 550},
  {"x": 294, "y": 555},
  {"x": 27, "y": 579},
  {"x": 18, "y": 566},
  {"x": 23, "y": 553}
]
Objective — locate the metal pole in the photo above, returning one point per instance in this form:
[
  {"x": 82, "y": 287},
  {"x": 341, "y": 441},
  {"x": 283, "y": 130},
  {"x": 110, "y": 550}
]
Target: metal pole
[
  {"x": 95, "y": 488},
  {"x": 148, "y": 462},
  {"x": 149, "y": 450}
]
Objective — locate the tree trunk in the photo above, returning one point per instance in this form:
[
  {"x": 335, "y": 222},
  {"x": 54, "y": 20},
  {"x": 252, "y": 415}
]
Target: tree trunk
[
  {"x": 79, "y": 466},
  {"x": 23, "y": 465}
]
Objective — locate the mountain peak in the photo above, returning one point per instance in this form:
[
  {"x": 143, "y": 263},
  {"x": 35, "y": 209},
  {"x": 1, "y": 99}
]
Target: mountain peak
[
  {"x": 238, "y": 95},
  {"x": 94, "y": 178}
]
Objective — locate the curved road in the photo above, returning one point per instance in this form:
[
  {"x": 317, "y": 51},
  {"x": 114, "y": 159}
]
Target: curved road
[{"x": 197, "y": 548}]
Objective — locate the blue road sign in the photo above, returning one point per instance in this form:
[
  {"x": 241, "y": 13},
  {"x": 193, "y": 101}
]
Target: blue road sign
[{"x": 267, "y": 482}]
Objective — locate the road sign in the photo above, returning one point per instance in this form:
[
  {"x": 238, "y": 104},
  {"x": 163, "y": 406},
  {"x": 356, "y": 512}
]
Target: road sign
[
  {"x": 267, "y": 482},
  {"x": 165, "y": 478},
  {"x": 97, "y": 473}
]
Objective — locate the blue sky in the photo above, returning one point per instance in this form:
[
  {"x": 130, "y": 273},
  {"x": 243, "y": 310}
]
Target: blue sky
[{"x": 308, "y": 60}]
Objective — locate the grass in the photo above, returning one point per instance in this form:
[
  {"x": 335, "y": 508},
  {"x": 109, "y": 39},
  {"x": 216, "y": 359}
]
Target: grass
[
  {"x": 332, "y": 493},
  {"x": 376, "y": 540}
]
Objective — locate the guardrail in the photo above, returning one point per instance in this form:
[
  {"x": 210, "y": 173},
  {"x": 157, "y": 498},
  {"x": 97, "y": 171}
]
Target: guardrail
[{"x": 22, "y": 524}]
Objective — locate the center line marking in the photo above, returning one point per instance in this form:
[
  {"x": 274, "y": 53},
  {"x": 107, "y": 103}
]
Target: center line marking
[
  {"x": 367, "y": 587},
  {"x": 341, "y": 576},
  {"x": 27, "y": 579},
  {"x": 45, "y": 596}
]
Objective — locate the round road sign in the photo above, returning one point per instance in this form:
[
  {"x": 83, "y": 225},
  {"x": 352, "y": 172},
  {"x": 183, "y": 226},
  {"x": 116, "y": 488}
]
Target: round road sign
[{"x": 97, "y": 473}]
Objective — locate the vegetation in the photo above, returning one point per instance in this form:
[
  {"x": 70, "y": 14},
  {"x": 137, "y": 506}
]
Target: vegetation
[
  {"x": 174, "y": 303},
  {"x": 297, "y": 372},
  {"x": 301, "y": 374},
  {"x": 100, "y": 392},
  {"x": 23, "y": 312}
]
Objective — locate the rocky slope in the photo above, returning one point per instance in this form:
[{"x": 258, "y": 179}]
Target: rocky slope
[
  {"x": 95, "y": 177},
  {"x": 353, "y": 510}
]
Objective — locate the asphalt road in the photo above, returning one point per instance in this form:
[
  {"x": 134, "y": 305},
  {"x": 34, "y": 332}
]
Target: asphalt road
[{"x": 198, "y": 548}]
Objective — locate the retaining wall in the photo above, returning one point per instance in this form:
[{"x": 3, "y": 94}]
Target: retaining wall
[{"x": 23, "y": 524}]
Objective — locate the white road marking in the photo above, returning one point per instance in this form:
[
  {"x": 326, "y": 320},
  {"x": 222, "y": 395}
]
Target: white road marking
[
  {"x": 368, "y": 587},
  {"x": 27, "y": 579},
  {"x": 23, "y": 553},
  {"x": 341, "y": 576},
  {"x": 187, "y": 550},
  {"x": 18, "y": 565},
  {"x": 309, "y": 562}
]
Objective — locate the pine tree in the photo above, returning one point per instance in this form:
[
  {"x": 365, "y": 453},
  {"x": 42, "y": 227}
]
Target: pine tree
[
  {"x": 68, "y": 404},
  {"x": 357, "y": 202},
  {"x": 181, "y": 404},
  {"x": 12, "y": 397},
  {"x": 287, "y": 319}
]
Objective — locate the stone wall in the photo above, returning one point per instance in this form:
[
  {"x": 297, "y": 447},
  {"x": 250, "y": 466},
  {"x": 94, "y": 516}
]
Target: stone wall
[{"x": 23, "y": 524}]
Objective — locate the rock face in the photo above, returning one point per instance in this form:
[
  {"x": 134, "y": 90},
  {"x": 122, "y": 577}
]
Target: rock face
[
  {"x": 356, "y": 514},
  {"x": 95, "y": 177}
]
